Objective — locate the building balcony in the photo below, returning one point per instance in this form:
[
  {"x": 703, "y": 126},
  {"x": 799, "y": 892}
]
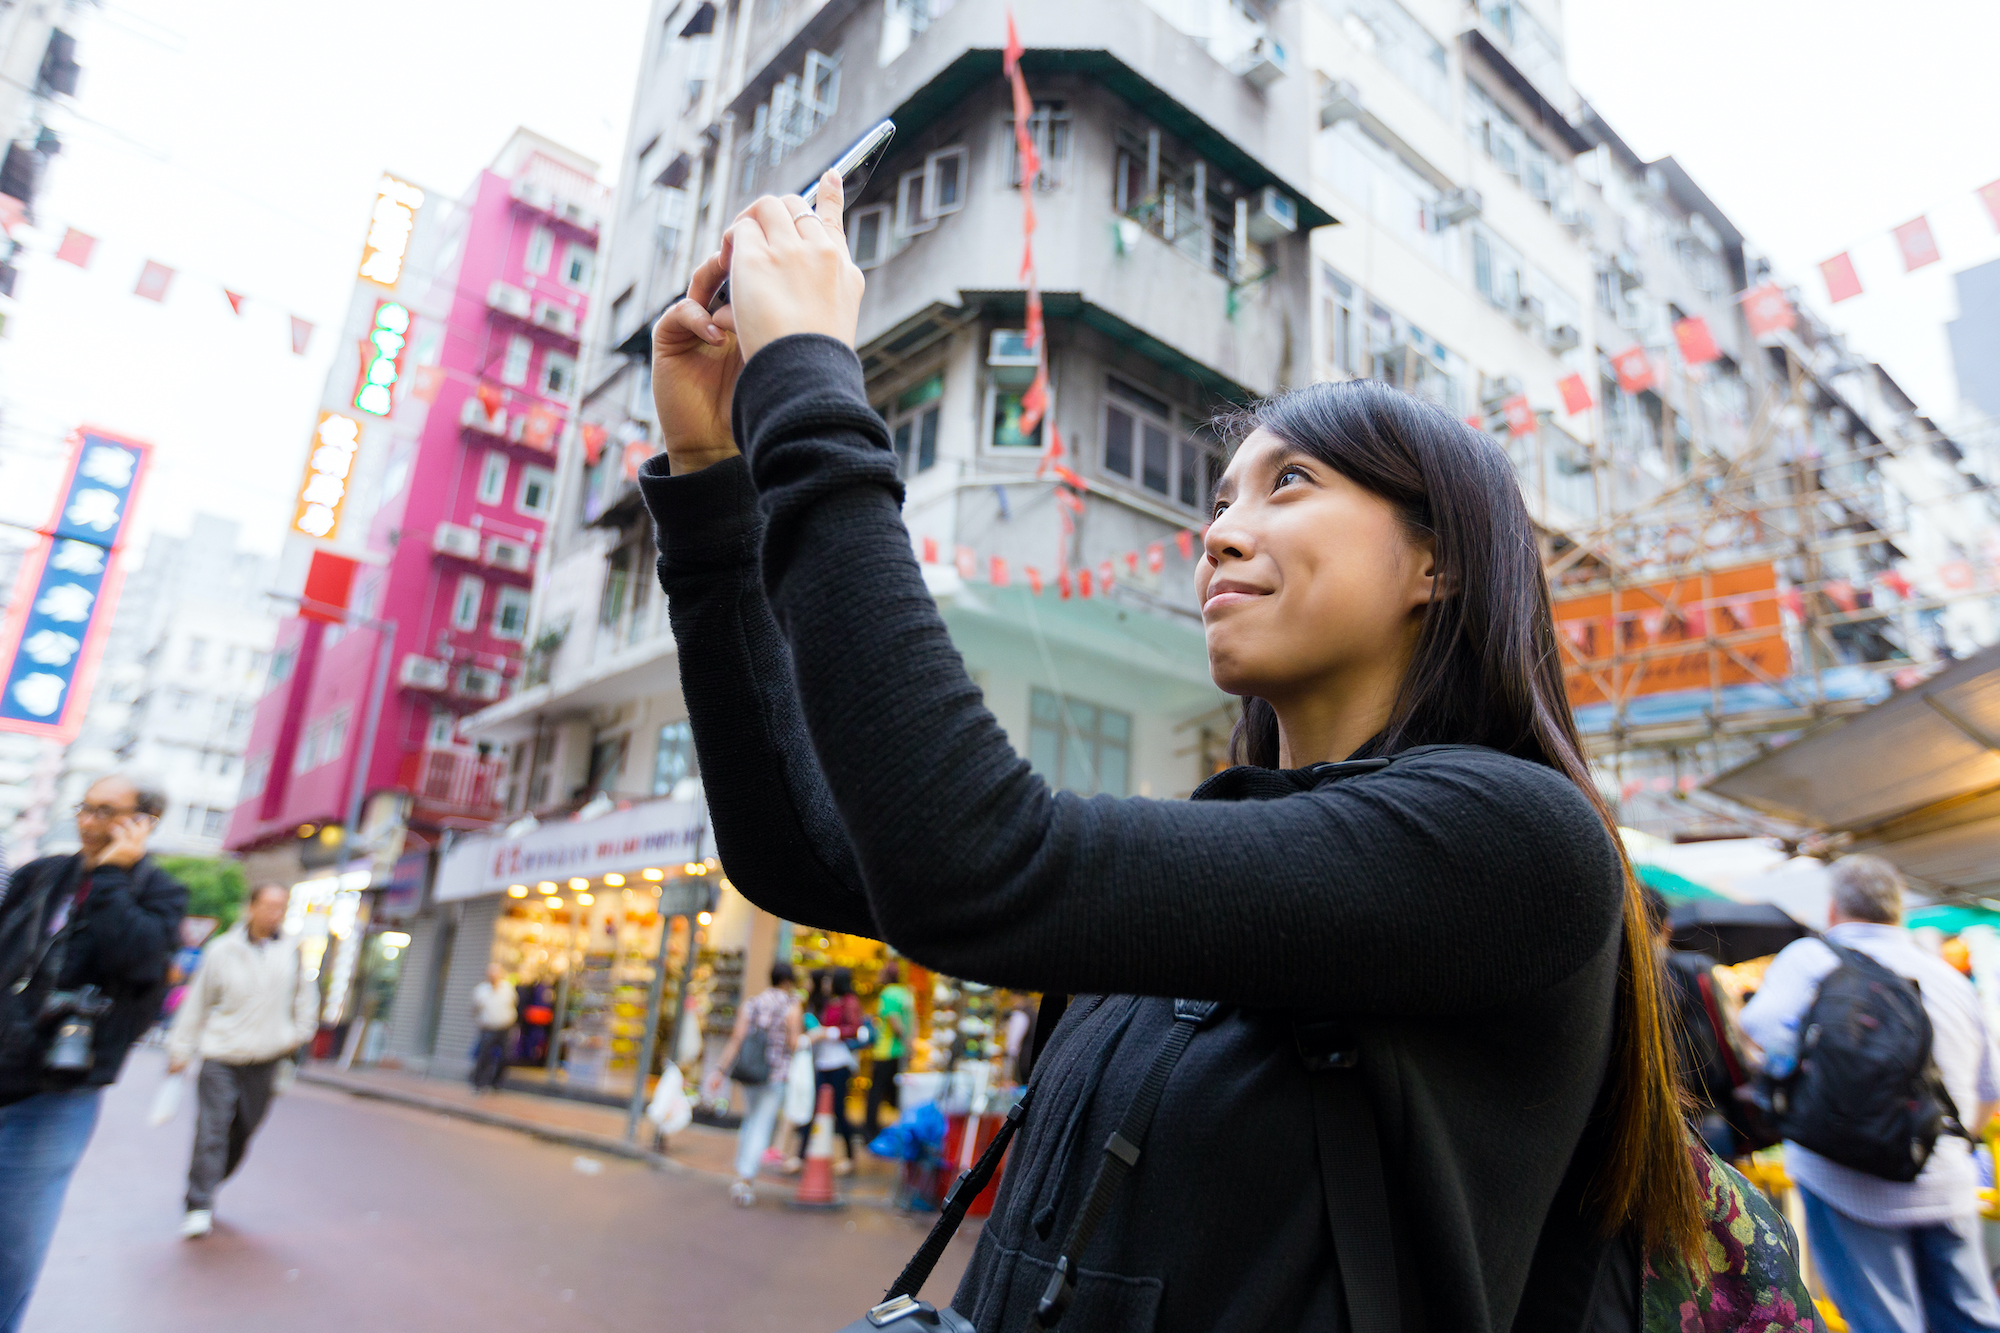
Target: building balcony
[{"x": 454, "y": 784}]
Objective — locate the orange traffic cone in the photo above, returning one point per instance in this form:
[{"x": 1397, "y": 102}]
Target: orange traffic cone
[{"x": 816, "y": 1181}]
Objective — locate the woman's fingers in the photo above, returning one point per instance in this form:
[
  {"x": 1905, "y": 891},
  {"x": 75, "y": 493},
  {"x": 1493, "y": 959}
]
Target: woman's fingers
[
  {"x": 690, "y": 317},
  {"x": 708, "y": 275},
  {"x": 827, "y": 204}
]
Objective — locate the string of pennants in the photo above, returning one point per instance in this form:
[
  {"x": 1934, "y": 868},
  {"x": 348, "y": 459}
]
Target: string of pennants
[
  {"x": 155, "y": 279},
  {"x": 1083, "y": 582},
  {"x": 1766, "y": 310},
  {"x": 1916, "y": 245}
]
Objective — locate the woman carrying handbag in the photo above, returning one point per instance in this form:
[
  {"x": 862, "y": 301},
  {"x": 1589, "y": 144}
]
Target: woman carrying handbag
[
  {"x": 758, "y": 1057},
  {"x": 1367, "y": 1036}
]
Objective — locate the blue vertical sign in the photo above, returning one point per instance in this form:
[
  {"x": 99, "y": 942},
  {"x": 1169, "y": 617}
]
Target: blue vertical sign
[{"x": 68, "y": 586}]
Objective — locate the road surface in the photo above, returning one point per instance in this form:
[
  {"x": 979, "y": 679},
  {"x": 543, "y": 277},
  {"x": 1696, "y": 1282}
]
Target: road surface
[{"x": 357, "y": 1215}]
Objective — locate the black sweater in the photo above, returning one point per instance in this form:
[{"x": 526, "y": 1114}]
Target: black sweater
[{"x": 1464, "y": 905}]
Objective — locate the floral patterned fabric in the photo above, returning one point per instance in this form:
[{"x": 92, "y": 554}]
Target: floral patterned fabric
[{"x": 1751, "y": 1281}]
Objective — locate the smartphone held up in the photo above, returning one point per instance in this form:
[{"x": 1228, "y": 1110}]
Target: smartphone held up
[{"x": 854, "y": 167}]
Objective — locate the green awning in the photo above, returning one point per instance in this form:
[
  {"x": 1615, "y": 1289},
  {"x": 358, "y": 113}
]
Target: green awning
[
  {"x": 1951, "y": 917},
  {"x": 1676, "y": 888}
]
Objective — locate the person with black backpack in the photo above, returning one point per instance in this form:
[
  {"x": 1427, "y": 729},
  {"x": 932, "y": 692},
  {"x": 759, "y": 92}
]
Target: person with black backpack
[
  {"x": 1873, "y": 1048},
  {"x": 1364, "y": 1037},
  {"x": 758, "y": 1054}
]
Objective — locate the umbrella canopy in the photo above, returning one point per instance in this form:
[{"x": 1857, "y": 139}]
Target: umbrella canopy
[
  {"x": 1950, "y": 917},
  {"x": 1675, "y": 888},
  {"x": 1732, "y": 932}
]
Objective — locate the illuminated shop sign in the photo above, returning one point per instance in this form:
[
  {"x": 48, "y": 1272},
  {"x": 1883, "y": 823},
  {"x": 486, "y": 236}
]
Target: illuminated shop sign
[
  {"x": 327, "y": 470},
  {"x": 389, "y": 227},
  {"x": 382, "y": 358}
]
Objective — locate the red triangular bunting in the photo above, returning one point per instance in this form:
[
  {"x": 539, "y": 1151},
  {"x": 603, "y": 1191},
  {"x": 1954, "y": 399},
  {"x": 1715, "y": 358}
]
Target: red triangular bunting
[
  {"x": 302, "y": 332},
  {"x": 154, "y": 279},
  {"x": 1989, "y": 195},
  {"x": 1841, "y": 281},
  {"x": 235, "y": 300},
  {"x": 1576, "y": 394},
  {"x": 1919, "y": 247},
  {"x": 76, "y": 247}
]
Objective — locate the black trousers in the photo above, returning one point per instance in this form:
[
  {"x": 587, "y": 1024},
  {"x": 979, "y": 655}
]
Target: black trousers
[
  {"x": 882, "y": 1089},
  {"x": 837, "y": 1080},
  {"x": 232, "y": 1102},
  {"x": 489, "y": 1057}
]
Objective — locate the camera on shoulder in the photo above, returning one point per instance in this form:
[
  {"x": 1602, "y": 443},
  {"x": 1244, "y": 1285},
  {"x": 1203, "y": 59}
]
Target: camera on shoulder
[{"x": 73, "y": 1014}]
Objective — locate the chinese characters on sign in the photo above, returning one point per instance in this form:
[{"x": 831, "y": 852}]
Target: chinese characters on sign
[
  {"x": 1707, "y": 630},
  {"x": 327, "y": 469},
  {"x": 50, "y": 642},
  {"x": 382, "y": 358},
  {"x": 389, "y": 227}
]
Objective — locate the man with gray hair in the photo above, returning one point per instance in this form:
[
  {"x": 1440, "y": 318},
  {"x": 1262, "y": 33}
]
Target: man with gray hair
[
  {"x": 1894, "y": 1256},
  {"x": 84, "y": 944}
]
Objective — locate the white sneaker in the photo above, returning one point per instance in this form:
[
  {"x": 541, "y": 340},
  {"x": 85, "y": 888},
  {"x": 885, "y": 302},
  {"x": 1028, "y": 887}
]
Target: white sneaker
[
  {"x": 198, "y": 1223},
  {"x": 743, "y": 1194}
]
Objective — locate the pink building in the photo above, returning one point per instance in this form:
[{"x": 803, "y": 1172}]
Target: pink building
[{"x": 432, "y": 461}]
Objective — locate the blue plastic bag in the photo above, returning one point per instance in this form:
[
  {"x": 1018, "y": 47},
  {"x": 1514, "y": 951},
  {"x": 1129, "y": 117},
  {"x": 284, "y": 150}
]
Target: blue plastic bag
[{"x": 917, "y": 1135}]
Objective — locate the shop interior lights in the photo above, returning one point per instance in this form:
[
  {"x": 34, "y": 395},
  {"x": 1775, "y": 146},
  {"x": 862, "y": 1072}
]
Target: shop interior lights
[
  {"x": 325, "y": 486},
  {"x": 654, "y": 874},
  {"x": 546, "y": 886},
  {"x": 579, "y": 884},
  {"x": 695, "y": 868},
  {"x": 517, "y": 890},
  {"x": 584, "y": 900},
  {"x": 704, "y": 917},
  {"x": 386, "y": 342},
  {"x": 615, "y": 880},
  {"x": 553, "y": 904}
]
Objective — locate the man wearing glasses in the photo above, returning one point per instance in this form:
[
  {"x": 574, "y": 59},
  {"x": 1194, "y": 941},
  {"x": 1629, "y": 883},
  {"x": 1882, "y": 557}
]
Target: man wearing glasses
[{"x": 84, "y": 944}]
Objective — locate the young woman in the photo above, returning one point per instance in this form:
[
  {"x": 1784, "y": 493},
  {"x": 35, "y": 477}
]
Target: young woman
[
  {"x": 773, "y": 1014},
  {"x": 1370, "y": 586}
]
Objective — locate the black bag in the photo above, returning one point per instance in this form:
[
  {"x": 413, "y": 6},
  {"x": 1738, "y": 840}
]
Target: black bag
[
  {"x": 753, "y": 1059},
  {"x": 1865, "y": 1092}
]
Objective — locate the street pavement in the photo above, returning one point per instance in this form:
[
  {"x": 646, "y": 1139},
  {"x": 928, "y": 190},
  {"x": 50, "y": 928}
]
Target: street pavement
[{"x": 352, "y": 1214}]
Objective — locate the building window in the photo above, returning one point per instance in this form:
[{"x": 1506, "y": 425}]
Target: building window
[
  {"x": 558, "y": 375},
  {"x": 213, "y": 822},
  {"x": 923, "y": 196},
  {"x": 1007, "y": 432},
  {"x": 617, "y": 585},
  {"x": 1340, "y": 325},
  {"x": 868, "y": 235},
  {"x": 442, "y": 726},
  {"x": 1496, "y": 270},
  {"x": 465, "y": 604},
  {"x": 510, "y": 613},
  {"x": 579, "y": 262},
  {"x": 493, "y": 478},
  {"x": 197, "y": 650},
  {"x": 674, "y": 762},
  {"x": 1389, "y": 31},
  {"x": 1079, "y": 746},
  {"x": 1049, "y": 128},
  {"x": 913, "y": 425},
  {"x": 1515, "y": 151},
  {"x": 541, "y": 249},
  {"x": 255, "y": 774},
  {"x": 607, "y": 761},
  {"x": 514, "y": 370},
  {"x": 191, "y": 819},
  {"x": 1142, "y": 445},
  {"x": 537, "y": 483}
]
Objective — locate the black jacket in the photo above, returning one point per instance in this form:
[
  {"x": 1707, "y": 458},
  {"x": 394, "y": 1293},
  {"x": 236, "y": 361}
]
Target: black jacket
[
  {"x": 1461, "y": 904},
  {"x": 120, "y": 939}
]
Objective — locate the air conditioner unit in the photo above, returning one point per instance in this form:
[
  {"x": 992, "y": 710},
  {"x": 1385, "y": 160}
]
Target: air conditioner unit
[
  {"x": 1273, "y": 215},
  {"x": 479, "y": 683},
  {"x": 1009, "y": 347},
  {"x": 578, "y": 216},
  {"x": 1528, "y": 311},
  {"x": 555, "y": 318},
  {"x": 474, "y": 416},
  {"x": 507, "y": 299},
  {"x": 1581, "y": 225},
  {"x": 1630, "y": 273},
  {"x": 503, "y": 553},
  {"x": 534, "y": 195},
  {"x": 423, "y": 673},
  {"x": 1458, "y": 206},
  {"x": 1340, "y": 100},
  {"x": 1264, "y": 63},
  {"x": 1497, "y": 389},
  {"x": 455, "y": 539},
  {"x": 1562, "y": 338}
]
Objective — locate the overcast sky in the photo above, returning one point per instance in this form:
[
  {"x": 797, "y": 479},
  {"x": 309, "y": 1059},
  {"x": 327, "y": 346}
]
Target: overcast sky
[
  {"x": 239, "y": 143},
  {"x": 1817, "y": 127}
]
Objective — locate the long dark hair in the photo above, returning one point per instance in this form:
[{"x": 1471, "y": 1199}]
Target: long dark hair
[{"x": 1486, "y": 672}]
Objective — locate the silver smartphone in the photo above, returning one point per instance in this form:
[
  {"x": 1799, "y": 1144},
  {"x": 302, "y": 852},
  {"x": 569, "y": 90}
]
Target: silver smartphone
[{"x": 855, "y": 166}]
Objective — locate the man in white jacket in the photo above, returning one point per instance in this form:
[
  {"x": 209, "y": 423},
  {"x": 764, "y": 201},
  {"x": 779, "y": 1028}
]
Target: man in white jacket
[{"x": 250, "y": 1004}]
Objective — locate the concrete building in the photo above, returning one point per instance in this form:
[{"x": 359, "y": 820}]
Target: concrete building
[
  {"x": 432, "y": 465},
  {"x": 39, "y": 74},
  {"x": 1975, "y": 339}
]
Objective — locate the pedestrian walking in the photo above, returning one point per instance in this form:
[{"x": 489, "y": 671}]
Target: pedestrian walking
[
  {"x": 1897, "y": 1256},
  {"x": 250, "y": 1004},
  {"x": 895, "y": 1020},
  {"x": 1707, "y": 1052},
  {"x": 758, "y": 1054},
  {"x": 84, "y": 945},
  {"x": 496, "y": 1007},
  {"x": 1412, "y": 963},
  {"x": 838, "y": 1029}
]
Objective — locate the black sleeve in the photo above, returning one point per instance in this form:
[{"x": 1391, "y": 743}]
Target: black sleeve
[
  {"x": 133, "y": 922},
  {"x": 1448, "y": 881},
  {"x": 780, "y": 836}
]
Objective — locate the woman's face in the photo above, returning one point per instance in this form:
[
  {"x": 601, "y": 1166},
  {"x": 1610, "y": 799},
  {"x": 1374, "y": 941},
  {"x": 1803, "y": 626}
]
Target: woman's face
[{"x": 1307, "y": 581}]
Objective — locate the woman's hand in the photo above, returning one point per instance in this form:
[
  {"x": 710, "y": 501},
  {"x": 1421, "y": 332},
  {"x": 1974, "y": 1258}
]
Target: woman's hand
[
  {"x": 790, "y": 271},
  {"x": 695, "y": 365}
]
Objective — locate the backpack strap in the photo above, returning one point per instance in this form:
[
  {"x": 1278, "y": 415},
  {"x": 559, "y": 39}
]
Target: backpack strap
[
  {"x": 1121, "y": 1154},
  {"x": 1351, "y": 1179}
]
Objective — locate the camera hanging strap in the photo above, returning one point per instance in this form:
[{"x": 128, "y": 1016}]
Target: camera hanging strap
[
  {"x": 1350, "y": 1167},
  {"x": 51, "y": 943}
]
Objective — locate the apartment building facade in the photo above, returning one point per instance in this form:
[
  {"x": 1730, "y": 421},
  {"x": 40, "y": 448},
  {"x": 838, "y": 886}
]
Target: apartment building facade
[{"x": 431, "y": 463}]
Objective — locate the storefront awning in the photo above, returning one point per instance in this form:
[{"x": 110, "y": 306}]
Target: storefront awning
[{"x": 1915, "y": 779}]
